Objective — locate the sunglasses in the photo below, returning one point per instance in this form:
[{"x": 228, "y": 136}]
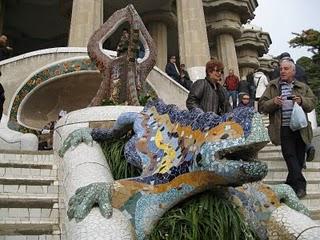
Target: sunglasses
[{"x": 245, "y": 98}]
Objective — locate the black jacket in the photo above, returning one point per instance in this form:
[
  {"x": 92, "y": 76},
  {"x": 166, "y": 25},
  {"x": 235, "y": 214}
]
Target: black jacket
[
  {"x": 172, "y": 72},
  {"x": 208, "y": 97},
  {"x": 2, "y": 99},
  {"x": 243, "y": 87}
]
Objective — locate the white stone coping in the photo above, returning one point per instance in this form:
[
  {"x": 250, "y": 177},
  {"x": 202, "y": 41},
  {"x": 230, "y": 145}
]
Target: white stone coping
[
  {"x": 51, "y": 51},
  {"x": 100, "y": 113},
  {"x": 16, "y": 141}
]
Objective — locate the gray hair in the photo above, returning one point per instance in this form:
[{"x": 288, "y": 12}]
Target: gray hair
[{"x": 290, "y": 61}]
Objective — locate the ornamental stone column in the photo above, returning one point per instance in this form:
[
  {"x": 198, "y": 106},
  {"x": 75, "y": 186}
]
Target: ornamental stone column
[
  {"x": 265, "y": 63},
  {"x": 157, "y": 23},
  {"x": 87, "y": 16},
  {"x": 252, "y": 45},
  {"x": 224, "y": 19},
  {"x": 158, "y": 32},
  {"x": 193, "y": 40},
  {"x": 2, "y": 6}
]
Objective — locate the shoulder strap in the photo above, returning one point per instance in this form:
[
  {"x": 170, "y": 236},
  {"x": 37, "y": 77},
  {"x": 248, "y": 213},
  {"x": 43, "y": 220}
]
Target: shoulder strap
[{"x": 258, "y": 81}]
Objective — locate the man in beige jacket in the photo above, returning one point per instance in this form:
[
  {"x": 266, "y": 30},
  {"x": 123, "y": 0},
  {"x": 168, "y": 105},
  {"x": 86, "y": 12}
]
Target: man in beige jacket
[{"x": 278, "y": 100}]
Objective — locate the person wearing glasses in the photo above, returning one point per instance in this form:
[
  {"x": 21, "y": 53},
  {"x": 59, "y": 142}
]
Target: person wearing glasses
[
  {"x": 172, "y": 69},
  {"x": 207, "y": 94}
]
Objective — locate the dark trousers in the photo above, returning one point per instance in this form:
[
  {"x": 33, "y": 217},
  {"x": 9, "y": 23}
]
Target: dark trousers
[
  {"x": 1, "y": 111},
  {"x": 293, "y": 151}
]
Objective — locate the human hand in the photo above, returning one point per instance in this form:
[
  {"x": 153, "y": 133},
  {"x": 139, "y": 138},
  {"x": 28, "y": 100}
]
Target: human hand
[
  {"x": 278, "y": 100},
  {"x": 297, "y": 99}
]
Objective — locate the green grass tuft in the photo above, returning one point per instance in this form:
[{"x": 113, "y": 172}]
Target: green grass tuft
[
  {"x": 114, "y": 153},
  {"x": 204, "y": 216}
]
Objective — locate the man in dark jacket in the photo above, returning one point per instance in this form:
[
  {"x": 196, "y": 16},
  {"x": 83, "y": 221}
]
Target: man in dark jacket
[
  {"x": 207, "y": 94},
  {"x": 5, "y": 50},
  {"x": 2, "y": 99},
  {"x": 184, "y": 77},
  {"x": 172, "y": 69}
]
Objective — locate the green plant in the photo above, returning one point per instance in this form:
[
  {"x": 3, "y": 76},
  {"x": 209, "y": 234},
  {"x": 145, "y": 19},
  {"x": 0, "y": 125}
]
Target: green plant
[
  {"x": 113, "y": 151},
  {"x": 205, "y": 216}
]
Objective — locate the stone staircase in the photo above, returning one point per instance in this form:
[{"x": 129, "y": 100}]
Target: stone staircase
[
  {"x": 28, "y": 196},
  {"x": 278, "y": 172}
]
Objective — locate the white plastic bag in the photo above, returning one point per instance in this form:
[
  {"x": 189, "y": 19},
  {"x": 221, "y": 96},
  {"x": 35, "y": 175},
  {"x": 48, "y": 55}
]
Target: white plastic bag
[{"x": 298, "y": 118}]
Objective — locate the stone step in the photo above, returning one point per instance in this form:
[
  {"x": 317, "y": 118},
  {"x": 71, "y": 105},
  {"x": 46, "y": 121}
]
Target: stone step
[
  {"x": 26, "y": 171},
  {"x": 25, "y": 152},
  {"x": 282, "y": 164},
  {"x": 271, "y": 154},
  {"x": 270, "y": 148},
  {"x": 36, "y": 160},
  {"x": 313, "y": 185},
  {"x": 312, "y": 201},
  {"x": 28, "y": 180},
  {"x": 28, "y": 221},
  {"x": 29, "y": 189},
  {"x": 27, "y": 176},
  {"x": 23, "y": 200},
  {"x": 275, "y": 158},
  {"x": 281, "y": 173},
  {"x": 315, "y": 215},
  {"x": 30, "y": 237},
  {"x": 27, "y": 161}
]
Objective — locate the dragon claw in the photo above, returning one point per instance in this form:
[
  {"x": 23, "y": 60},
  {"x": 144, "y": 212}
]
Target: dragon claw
[
  {"x": 75, "y": 138},
  {"x": 85, "y": 198}
]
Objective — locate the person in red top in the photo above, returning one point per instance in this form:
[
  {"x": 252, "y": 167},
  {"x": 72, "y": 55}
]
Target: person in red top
[{"x": 231, "y": 83}]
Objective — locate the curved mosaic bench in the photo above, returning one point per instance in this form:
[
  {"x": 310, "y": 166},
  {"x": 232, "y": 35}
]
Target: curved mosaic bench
[{"x": 36, "y": 79}]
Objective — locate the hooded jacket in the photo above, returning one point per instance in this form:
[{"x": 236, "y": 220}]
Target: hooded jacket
[{"x": 261, "y": 83}]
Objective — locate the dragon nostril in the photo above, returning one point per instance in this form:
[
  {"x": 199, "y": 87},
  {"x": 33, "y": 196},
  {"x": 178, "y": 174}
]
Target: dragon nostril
[
  {"x": 224, "y": 136},
  {"x": 198, "y": 158}
]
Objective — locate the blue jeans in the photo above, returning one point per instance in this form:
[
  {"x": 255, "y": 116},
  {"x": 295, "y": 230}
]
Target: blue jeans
[{"x": 234, "y": 96}]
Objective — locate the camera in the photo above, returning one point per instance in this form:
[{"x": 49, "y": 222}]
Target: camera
[{"x": 290, "y": 97}]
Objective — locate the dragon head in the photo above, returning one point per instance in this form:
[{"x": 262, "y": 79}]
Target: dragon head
[{"x": 232, "y": 150}]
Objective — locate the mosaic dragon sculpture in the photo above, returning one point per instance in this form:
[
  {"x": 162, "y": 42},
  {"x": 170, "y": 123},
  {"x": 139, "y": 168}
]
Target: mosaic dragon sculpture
[
  {"x": 123, "y": 77},
  {"x": 182, "y": 153}
]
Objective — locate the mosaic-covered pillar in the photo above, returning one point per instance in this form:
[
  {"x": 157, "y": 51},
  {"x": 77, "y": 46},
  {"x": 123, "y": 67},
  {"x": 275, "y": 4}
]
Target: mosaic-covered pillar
[
  {"x": 87, "y": 16},
  {"x": 193, "y": 40}
]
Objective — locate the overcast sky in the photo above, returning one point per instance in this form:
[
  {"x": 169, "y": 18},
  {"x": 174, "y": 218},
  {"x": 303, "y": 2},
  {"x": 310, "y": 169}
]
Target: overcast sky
[{"x": 282, "y": 17}]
